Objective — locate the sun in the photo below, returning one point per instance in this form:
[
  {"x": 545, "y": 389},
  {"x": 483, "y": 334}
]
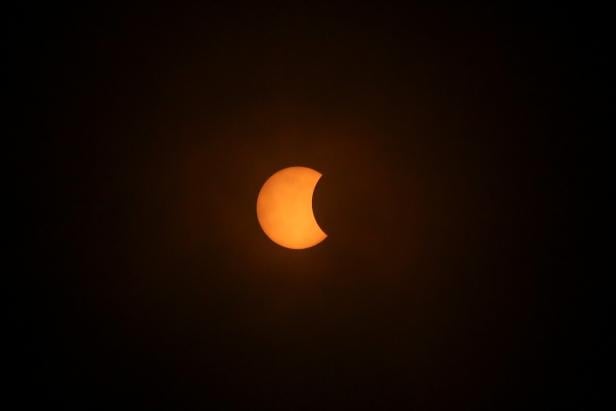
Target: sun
[{"x": 284, "y": 208}]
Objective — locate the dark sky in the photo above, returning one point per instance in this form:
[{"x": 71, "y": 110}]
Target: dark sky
[{"x": 447, "y": 139}]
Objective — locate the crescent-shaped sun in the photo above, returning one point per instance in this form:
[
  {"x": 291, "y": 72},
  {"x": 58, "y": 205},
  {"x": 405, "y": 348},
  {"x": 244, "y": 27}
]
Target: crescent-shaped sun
[{"x": 284, "y": 208}]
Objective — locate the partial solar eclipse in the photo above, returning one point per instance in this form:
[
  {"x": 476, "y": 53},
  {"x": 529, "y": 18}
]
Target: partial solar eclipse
[{"x": 284, "y": 208}]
